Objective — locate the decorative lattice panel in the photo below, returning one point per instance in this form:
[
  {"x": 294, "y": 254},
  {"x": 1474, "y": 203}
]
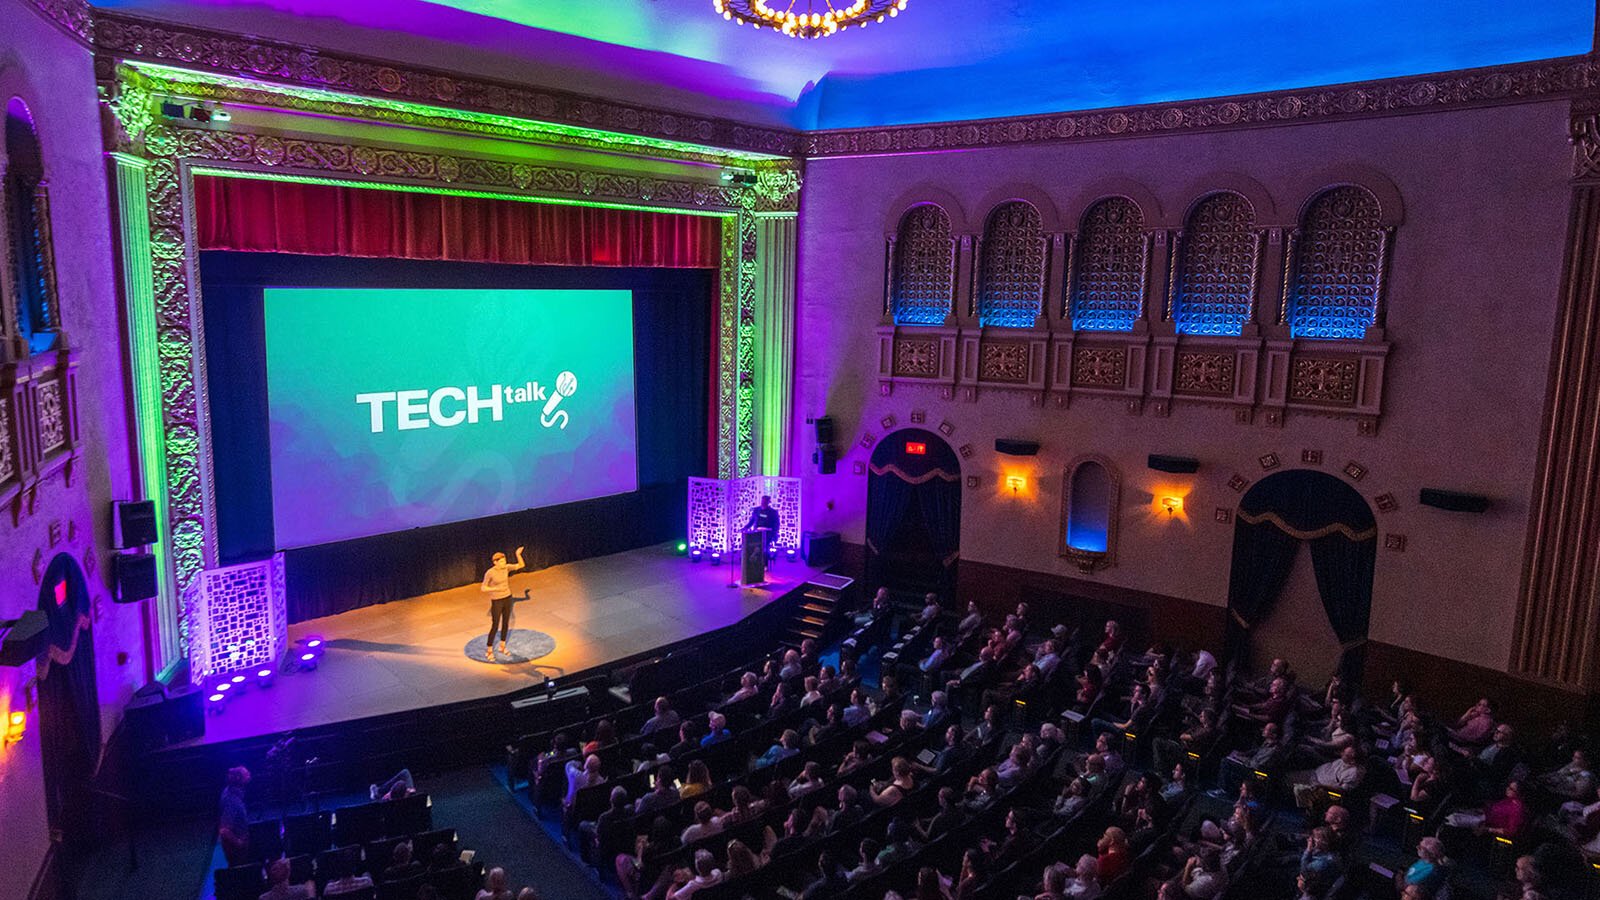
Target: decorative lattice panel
[
  {"x": 708, "y": 514},
  {"x": 238, "y": 617},
  {"x": 924, "y": 267},
  {"x": 1338, "y": 266},
  {"x": 718, "y": 509},
  {"x": 1215, "y": 288},
  {"x": 8, "y": 455},
  {"x": 1108, "y": 268},
  {"x": 1011, "y": 274}
]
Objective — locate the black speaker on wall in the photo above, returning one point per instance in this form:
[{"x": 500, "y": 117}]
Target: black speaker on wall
[
  {"x": 136, "y": 577},
  {"x": 826, "y": 456},
  {"x": 824, "y": 426},
  {"x": 134, "y": 523},
  {"x": 1453, "y": 501},
  {"x": 1182, "y": 465},
  {"x": 1015, "y": 448}
]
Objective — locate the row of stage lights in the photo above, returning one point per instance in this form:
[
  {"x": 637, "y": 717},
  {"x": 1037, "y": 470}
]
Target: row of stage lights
[
  {"x": 302, "y": 657},
  {"x": 697, "y": 554}
]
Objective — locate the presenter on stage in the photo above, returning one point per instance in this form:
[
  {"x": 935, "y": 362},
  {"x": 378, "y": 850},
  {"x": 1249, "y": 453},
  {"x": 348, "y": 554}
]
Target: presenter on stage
[
  {"x": 497, "y": 584},
  {"x": 764, "y": 519}
]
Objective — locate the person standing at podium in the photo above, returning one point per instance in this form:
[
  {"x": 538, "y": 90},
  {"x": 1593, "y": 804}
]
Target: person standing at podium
[{"x": 764, "y": 519}]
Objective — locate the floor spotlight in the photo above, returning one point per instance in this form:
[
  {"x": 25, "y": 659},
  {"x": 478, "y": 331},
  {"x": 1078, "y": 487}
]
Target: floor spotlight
[
  {"x": 308, "y": 662},
  {"x": 789, "y": 555},
  {"x": 217, "y": 703},
  {"x": 265, "y": 676},
  {"x": 696, "y": 555},
  {"x": 716, "y": 558},
  {"x": 682, "y": 548}
]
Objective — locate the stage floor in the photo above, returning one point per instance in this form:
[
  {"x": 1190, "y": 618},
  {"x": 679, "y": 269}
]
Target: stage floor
[{"x": 409, "y": 654}]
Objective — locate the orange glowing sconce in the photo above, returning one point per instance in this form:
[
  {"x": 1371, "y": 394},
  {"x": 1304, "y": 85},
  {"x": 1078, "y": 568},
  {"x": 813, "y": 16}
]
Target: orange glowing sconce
[
  {"x": 16, "y": 726},
  {"x": 1173, "y": 504},
  {"x": 1015, "y": 482}
]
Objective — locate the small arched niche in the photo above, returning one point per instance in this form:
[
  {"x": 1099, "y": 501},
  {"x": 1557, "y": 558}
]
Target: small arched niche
[{"x": 1090, "y": 500}]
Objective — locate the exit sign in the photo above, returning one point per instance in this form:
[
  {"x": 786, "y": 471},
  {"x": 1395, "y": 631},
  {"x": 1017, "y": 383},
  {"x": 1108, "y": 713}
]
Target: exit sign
[{"x": 916, "y": 448}]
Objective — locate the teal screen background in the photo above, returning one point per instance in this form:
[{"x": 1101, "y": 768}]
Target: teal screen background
[{"x": 333, "y": 479}]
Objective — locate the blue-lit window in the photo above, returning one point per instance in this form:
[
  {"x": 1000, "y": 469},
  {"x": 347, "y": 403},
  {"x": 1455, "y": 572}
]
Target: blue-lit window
[
  {"x": 1215, "y": 290},
  {"x": 922, "y": 285},
  {"x": 1338, "y": 266},
  {"x": 27, "y": 219},
  {"x": 1011, "y": 271},
  {"x": 1092, "y": 491},
  {"x": 1108, "y": 267}
]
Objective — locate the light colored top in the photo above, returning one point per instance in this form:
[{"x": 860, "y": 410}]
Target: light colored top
[{"x": 497, "y": 581}]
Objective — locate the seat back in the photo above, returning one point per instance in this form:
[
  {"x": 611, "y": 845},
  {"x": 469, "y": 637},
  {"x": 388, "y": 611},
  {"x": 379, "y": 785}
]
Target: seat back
[
  {"x": 408, "y": 815},
  {"x": 246, "y": 882},
  {"x": 266, "y": 839},
  {"x": 308, "y": 833},
  {"x": 358, "y": 824}
]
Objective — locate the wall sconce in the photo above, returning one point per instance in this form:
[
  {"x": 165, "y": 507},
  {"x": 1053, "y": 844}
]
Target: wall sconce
[
  {"x": 1015, "y": 482},
  {"x": 16, "y": 726},
  {"x": 1172, "y": 504}
]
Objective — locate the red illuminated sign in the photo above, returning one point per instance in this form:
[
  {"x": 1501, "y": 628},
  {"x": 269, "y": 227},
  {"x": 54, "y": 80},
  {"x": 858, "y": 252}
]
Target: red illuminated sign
[
  {"x": 916, "y": 448},
  {"x": 61, "y": 593}
]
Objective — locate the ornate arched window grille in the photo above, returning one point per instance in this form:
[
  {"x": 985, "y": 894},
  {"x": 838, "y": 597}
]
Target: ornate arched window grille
[
  {"x": 1338, "y": 257},
  {"x": 1089, "y": 512},
  {"x": 1011, "y": 271},
  {"x": 27, "y": 218},
  {"x": 1214, "y": 292},
  {"x": 1108, "y": 267},
  {"x": 923, "y": 280}
]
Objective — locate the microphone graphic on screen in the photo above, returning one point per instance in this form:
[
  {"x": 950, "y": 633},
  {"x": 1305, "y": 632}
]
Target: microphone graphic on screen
[{"x": 566, "y": 386}]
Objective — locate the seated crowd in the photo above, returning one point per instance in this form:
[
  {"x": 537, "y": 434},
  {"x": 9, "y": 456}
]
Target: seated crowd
[{"x": 1015, "y": 758}]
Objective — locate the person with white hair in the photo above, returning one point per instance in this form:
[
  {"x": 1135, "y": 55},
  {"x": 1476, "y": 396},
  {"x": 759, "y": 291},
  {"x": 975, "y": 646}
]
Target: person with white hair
[
  {"x": 1084, "y": 883},
  {"x": 497, "y": 585},
  {"x": 705, "y": 875}
]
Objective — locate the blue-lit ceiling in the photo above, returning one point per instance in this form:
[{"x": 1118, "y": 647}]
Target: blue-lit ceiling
[{"x": 941, "y": 60}]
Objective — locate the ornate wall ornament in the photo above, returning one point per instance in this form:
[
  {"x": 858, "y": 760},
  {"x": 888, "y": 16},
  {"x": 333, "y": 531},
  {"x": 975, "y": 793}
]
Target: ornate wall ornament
[
  {"x": 1516, "y": 83},
  {"x": 1338, "y": 263},
  {"x": 8, "y": 450},
  {"x": 1110, "y": 256},
  {"x": 50, "y": 415},
  {"x": 72, "y": 16},
  {"x": 916, "y": 357},
  {"x": 1329, "y": 381},
  {"x": 922, "y": 284},
  {"x": 1011, "y": 270},
  {"x": 1004, "y": 361},
  {"x": 1205, "y": 374},
  {"x": 1585, "y": 138},
  {"x": 1104, "y": 367},
  {"x": 1214, "y": 288}
]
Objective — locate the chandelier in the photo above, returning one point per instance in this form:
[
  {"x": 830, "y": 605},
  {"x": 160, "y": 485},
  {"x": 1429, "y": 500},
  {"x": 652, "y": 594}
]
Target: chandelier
[{"x": 807, "y": 18}]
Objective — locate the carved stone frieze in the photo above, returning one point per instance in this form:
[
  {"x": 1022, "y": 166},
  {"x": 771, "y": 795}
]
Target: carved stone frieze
[
  {"x": 1331, "y": 381},
  {"x": 1204, "y": 373},
  {"x": 1004, "y": 361},
  {"x": 50, "y": 415},
  {"x": 8, "y": 450},
  {"x": 1104, "y": 367},
  {"x": 916, "y": 357}
]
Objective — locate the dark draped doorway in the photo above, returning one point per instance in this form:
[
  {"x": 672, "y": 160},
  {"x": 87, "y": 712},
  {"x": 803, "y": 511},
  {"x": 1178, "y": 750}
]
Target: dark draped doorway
[
  {"x": 69, "y": 707},
  {"x": 913, "y": 513},
  {"x": 1332, "y": 519}
]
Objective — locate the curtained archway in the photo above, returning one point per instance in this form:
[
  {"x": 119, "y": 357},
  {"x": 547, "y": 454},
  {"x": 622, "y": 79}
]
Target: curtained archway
[
  {"x": 69, "y": 706},
  {"x": 913, "y": 512},
  {"x": 1275, "y": 516}
]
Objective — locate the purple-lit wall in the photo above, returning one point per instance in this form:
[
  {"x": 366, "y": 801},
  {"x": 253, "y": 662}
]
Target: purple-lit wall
[
  {"x": 1471, "y": 306},
  {"x": 55, "y": 76}
]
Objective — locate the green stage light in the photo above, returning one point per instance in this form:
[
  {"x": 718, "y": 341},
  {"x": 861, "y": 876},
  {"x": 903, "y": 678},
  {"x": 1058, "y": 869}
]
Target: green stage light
[{"x": 683, "y": 548}]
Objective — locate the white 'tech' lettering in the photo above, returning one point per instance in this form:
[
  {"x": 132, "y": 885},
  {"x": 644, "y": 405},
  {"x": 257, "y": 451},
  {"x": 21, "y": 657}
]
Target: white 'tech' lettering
[{"x": 420, "y": 409}]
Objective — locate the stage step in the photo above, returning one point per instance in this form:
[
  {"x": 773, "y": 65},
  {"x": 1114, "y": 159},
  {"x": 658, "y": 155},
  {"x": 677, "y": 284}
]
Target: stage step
[
  {"x": 818, "y": 609},
  {"x": 814, "y": 621},
  {"x": 823, "y": 594}
]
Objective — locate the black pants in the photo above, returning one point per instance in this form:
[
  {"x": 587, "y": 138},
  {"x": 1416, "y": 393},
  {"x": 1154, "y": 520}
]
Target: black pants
[{"x": 499, "y": 617}]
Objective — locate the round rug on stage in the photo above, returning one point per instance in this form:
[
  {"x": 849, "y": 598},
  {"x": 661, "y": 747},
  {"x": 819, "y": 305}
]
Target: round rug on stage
[{"x": 522, "y": 645}]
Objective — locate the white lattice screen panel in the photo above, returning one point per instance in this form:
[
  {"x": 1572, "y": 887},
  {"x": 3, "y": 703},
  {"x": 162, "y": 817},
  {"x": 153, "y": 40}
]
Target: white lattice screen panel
[
  {"x": 238, "y": 617},
  {"x": 719, "y": 508}
]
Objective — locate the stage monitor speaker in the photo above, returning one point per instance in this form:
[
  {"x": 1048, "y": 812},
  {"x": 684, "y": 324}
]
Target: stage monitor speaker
[
  {"x": 25, "y": 640},
  {"x": 134, "y": 522},
  {"x": 824, "y": 426},
  {"x": 1183, "y": 465},
  {"x": 826, "y": 457},
  {"x": 820, "y": 548},
  {"x": 1453, "y": 501},
  {"x": 146, "y": 715},
  {"x": 183, "y": 714},
  {"x": 1015, "y": 448},
  {"x": 136, "y": 577}
]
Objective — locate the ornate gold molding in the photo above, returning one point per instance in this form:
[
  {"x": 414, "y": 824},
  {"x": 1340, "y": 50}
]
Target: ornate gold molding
[
  {"x": 72, "y": 16},
  {"x": 1515, "y": 83}
]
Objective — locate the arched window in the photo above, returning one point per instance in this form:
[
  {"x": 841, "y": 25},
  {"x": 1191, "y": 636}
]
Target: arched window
[
  {"x": 1108, "y": 267},
  {"x": 1090, "y": 502},
  {"x": 28, "y": 224},
  {"x": 1011, "y": 273},
  {"x": 924, "y": 267},
  {"x": 1215, "y": 290},
  {"x": 1338, "y": 265}
]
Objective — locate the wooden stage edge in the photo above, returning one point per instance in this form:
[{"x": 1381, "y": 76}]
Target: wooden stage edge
[{"x": 409, "y": 654}]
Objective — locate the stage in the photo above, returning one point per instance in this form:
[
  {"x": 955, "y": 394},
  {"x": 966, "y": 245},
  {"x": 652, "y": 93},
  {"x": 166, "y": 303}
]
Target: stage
[{"x": 409, "y": 654}]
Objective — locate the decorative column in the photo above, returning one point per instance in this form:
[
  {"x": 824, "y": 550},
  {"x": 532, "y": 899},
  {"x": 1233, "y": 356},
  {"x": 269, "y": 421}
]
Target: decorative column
[
  {"x": 775, "y": 308},
  {"x": 1558, "y": 611}
]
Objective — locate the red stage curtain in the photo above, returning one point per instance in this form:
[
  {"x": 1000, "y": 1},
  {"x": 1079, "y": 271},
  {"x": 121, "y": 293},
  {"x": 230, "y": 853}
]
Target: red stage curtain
[{"x": 326, "y": 220}]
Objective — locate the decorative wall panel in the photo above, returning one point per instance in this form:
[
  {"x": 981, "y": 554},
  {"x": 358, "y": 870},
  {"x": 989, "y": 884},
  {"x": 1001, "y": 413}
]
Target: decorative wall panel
[
  {"x": 916, "y": 357},
  {"x": 1004, "y": 361},
  {"x": 1324, "y": 381},
  {"x": 8, "y": 447},
  {"x": 1012, "y": 267},
  {"x": 1105, "y": 367},
  {"x": 1214, "y": 291},
  {"x": 50, "y": 416},
  {"x": 239, "y": 618},
  {"x": 1108, "y": 271},
  {"x": 1338, "y": 262},
  {"x": 1205, "y": 374},
  {"x": 922, "y": 287},
  {"x": 719, "y": 508}
]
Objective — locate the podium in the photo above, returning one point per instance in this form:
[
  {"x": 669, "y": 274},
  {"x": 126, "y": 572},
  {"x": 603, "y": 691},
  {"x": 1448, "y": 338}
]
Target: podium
[{"x": 752, "y": 557}]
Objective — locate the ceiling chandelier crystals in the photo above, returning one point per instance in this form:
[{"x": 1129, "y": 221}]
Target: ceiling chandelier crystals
[{"x": 807, "y": 18}]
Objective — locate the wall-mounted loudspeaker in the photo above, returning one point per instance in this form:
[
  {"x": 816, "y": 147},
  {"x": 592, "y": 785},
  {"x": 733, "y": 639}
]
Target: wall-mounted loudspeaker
[
  {"x": 1183, "y": 465},
  {"x": 1015, "y": 448},
  {"x": 25, "y": 639},
  {"x": 824, "y": 426},
  {"x": 133, "y": 523},
  {"x": 826, "y": 457},
  {"x": 136, "y": 577},
  {"x": 1454, "y": 501}
]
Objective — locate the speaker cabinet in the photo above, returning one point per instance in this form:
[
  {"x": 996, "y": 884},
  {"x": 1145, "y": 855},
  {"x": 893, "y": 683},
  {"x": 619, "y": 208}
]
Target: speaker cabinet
[
  {"x": 146, "y": 715},
  {"x": 824, "y": 426},
  {"x": 136, "y": 577},
  {"x": 184, "y": 716},
  {"x": 820, "y": 548},
  {"x": 826, "y": 457},
  {"x": 1016, "y": 448},
  {"x": 25, "y": 640},
  {"x": 134, "y": 522},
  {"x": 1453, "y": 501},
  {"x": 1182, "y": 465}
]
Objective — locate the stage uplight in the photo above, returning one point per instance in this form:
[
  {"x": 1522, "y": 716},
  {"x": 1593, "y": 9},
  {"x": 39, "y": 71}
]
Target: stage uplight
[
  {"x": 217, "y": 703},
  {"x": 308, "y": 662},
  {"x": 696, "y": 554},
  {"x": 237, "y": 679},
  {"x": 790, "y": 555},
  {"x": 313, "y": 642},
  {"x": 266, "y": 676},
  {"x": 716, "y": 558},
  {"x": 683, "y": 547},
  {"x": 224, "y": 687}
]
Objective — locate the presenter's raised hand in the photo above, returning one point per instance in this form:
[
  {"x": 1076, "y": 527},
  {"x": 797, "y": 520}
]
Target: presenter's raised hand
[{"x": 519, "y": 552}]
